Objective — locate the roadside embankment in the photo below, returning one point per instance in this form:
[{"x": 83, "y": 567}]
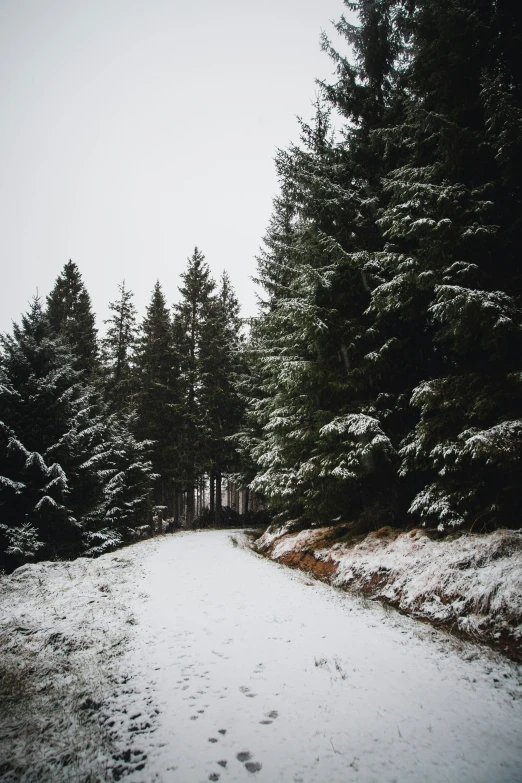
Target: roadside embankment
[{"x": 470, "y": 583}]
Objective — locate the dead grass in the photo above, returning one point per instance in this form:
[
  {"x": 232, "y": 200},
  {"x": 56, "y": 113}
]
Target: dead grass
[
  {"x": 45, "y": 733},
  {"x": 62, "y": 634}
]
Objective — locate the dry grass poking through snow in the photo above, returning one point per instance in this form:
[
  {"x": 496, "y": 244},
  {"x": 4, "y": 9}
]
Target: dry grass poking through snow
[
  {"x": 62, "y": 627},
  {"x": 471, "y": 583}
]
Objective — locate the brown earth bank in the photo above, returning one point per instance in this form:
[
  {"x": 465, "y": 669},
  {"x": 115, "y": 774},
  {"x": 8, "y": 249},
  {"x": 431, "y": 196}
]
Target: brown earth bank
[{"x": 469, "y": 584}]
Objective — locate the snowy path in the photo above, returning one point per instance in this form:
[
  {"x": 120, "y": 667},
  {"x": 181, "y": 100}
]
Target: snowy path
[{"x": 243, "y": 670}]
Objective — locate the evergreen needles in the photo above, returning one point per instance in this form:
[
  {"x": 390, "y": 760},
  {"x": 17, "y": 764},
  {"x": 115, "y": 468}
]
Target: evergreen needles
[{"x": 387, "y": 361}]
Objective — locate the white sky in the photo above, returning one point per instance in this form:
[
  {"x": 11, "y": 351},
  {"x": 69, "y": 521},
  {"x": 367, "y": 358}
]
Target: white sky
[{"x": 133, "y": 130}]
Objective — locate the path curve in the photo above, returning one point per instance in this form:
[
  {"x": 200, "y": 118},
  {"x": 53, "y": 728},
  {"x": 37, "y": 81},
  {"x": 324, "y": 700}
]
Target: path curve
[{"x": 241, "y": 669}]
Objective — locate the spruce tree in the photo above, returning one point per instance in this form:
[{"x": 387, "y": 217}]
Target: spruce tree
[
  {"x": 397, "y": 328},
  {"x": 118, "y": 349},
  {"x": 323, "y": 450},
  {"x": 123, "y": 461},
  {"x": 190, "y": 314},
  {"x": 158, "y": 396},
  {"x": 38, "y": 379},
  {"x": 449, "y": 213},
  {"x": 72, "y": 478},
  {"x": 70, "y": 316},
  {"x": 220, "y": 404}
]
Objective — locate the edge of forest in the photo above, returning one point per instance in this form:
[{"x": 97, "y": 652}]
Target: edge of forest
[{"x": 469, "y": 584}]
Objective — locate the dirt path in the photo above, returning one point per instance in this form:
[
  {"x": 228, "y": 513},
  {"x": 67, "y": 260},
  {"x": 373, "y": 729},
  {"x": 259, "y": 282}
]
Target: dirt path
[{"x": 260, "y": 673}]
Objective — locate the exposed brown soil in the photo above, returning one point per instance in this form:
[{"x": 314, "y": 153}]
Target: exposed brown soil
[{"x": 307, "y": 561}]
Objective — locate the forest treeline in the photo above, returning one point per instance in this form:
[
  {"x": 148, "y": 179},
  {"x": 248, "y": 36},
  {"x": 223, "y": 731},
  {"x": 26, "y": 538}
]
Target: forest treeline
[
  {"x": 380, "y": 382},
  {"x": 102, "y": 439}
]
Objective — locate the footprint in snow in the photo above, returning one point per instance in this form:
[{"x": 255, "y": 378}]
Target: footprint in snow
[
  {"x": 253, "y": 766},
  {"x": 222, "y": 731},
  {"x": 245, "y": 755},
  {"x": 214, "y": 776},
  {"x": 212, "y": 739},
  {"x": 222, "y": 763},
  {"x": 273, "y": 714}
]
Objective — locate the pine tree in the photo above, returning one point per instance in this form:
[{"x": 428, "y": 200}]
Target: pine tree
[
  {"x": 118, "y": 347},
  {"x": 190, "y": 313},
  {"x": 72, "y": 478},
  {"x": 220, "y": 404},
  {"x": 405, "y": 234},
  {"x": 448, "y": 215},
  {"x": 159, "y": 396},
  {"x": 322, "y": 450},
  {"x": 38, "y": 375},
  {"x": 397, "y": 328},
  {"x": 70, "y": 316},
  {"x": 124, "y": 513}
]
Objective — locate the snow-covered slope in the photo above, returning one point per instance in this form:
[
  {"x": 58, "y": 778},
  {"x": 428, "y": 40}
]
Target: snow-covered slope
[
  {"x": 188, "y": 658},
  {"x": 472, "y": 582}
]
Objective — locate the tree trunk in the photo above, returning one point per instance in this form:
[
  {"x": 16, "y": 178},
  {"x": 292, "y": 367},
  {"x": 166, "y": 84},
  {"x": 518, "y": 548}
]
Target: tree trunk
[
  {"x": 212, "y": 488},
  {"x": 218, "y": 497},
  {"x": 176, "y": 507},
  {"x": 189, "y": 514}
]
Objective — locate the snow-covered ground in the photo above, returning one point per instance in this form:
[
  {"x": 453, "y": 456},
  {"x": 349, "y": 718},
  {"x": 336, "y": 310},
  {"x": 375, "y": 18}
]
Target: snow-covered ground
[
  {"x": 188, "y": 658},
  {"x": 472, "y": 583}
]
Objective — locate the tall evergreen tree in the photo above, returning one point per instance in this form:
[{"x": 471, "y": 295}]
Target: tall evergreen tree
[
  {"x": 190, "y": 315},
  {"x": 118, "y": 349},
  {"x": 449, "y": 215},
  {"x": 37, "y": 373},
  {"x": 397, "y": 328},
  {"x": 72, "y": 478},
  {"x": 159, "y": 396},
  {"x": 220, "y": 404},
  {"x": 70, "y": 316},
  {"x": 323, "y": 450}
]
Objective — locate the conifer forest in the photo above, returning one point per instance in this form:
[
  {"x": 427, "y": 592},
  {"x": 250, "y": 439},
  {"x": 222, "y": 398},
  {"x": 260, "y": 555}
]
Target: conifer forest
[{"x": 379, "y": 384}]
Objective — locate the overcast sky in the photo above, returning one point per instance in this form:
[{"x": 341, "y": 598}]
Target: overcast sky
[{"x": 133, "y": 130}]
